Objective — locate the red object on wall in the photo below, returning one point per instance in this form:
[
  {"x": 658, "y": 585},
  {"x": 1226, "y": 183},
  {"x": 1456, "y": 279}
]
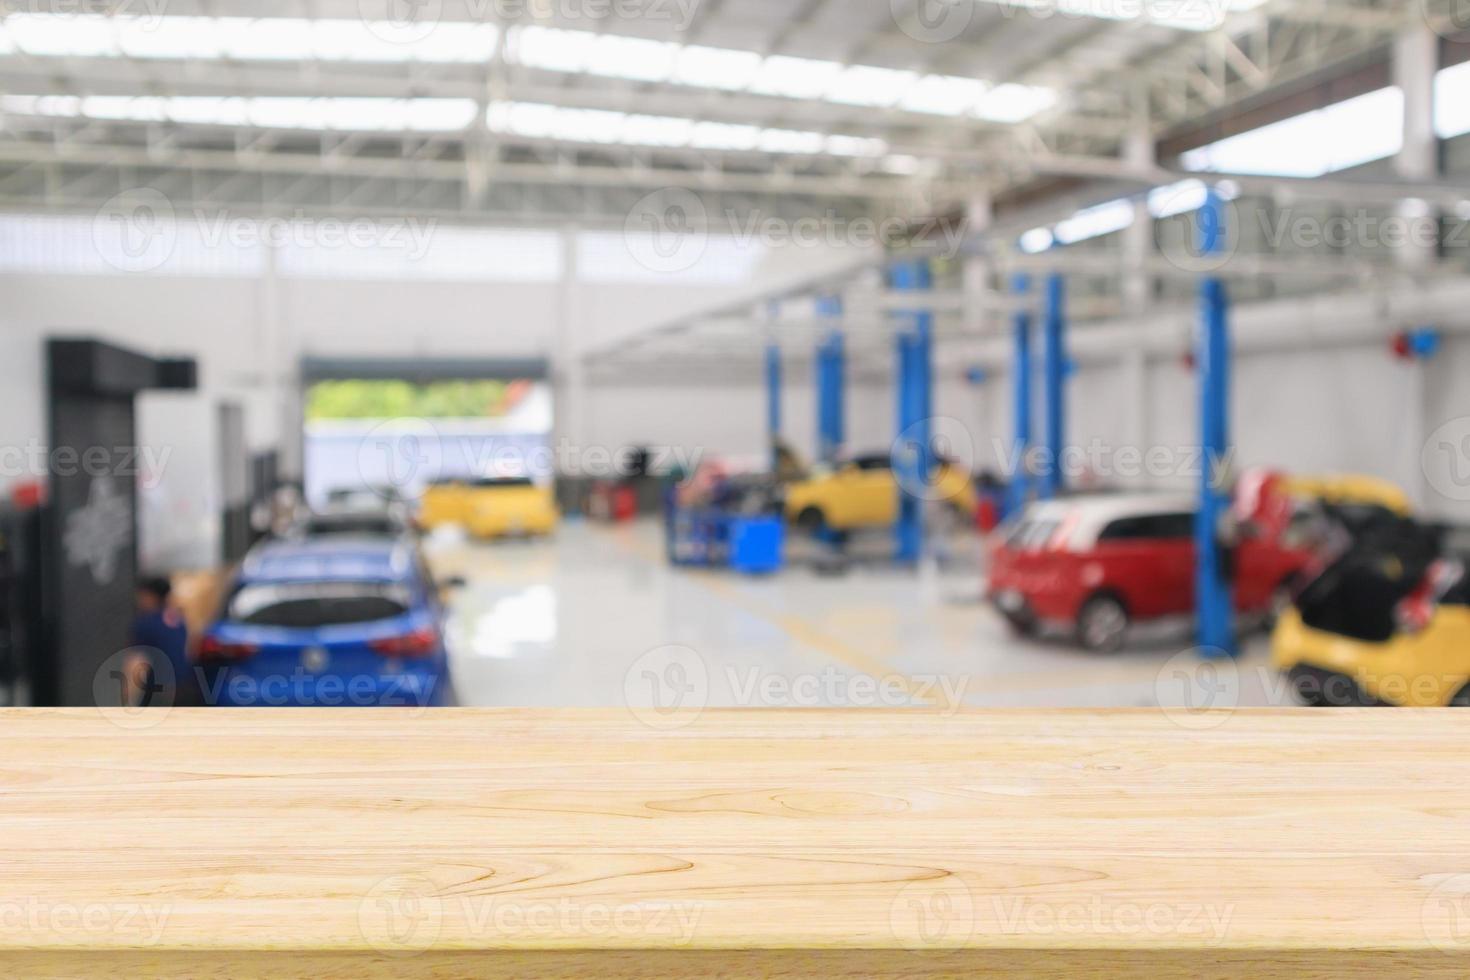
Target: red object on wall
[
  {"x": 27, "y": 496},
  {"x": 987, "y": 515},
  {"x": 1401, "y": 346}
]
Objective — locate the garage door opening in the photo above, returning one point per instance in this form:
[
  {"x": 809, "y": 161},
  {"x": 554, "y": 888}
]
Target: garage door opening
[{"x": 398, "y": 436}]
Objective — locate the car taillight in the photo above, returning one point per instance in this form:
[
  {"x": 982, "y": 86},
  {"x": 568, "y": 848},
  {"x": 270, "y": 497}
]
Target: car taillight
[
  {"x": 1415, "y": 612},
  {"x": 212, "y": 650},
  {"x": 419, "y": 643}
]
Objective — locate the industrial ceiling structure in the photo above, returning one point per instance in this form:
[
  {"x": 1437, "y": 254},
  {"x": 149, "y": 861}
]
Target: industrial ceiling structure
[{"x": 1008, "y": 114}]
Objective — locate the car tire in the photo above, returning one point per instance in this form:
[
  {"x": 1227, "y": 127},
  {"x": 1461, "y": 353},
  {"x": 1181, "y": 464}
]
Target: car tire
[
  {"x": 811, "y": 521},
  {"x": 1102, "y": 624},
  {"x": 1020, "y": 625},
  {"x": 1318, "y": 688}
]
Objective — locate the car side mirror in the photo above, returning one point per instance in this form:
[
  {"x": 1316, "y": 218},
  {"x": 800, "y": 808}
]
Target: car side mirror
[{"x": 453, "y": 582}]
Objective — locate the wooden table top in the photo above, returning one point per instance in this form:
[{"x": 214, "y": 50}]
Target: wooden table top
[{"x": 856, "y": 843}]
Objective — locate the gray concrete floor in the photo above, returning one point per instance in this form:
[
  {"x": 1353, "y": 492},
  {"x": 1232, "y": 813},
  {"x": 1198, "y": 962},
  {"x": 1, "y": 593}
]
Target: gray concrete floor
[{"x": 595, "y": 617}]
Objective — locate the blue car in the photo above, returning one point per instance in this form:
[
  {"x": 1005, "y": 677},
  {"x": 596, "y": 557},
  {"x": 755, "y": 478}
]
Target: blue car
[{"x": 330, "y": 622}]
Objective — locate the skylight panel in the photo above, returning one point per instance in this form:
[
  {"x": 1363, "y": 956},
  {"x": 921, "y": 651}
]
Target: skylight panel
[
  {"x": 631, "y": 58},
  {"x": 1452, "y": 102},
  {"x": 1337, "y": 137},
  {"x": 1013, "y": 103},
  {"x": 551, "y": 49},
  {"x": 1104, "y": 219},
  {"x": 868, "y": 86},
  {"x": 716, "y": 68},
  {"x": 795, "y": 78},
  {"x": 855, "y": 146},
  {"x": 944, "y": 95},
  {"x": 724, "y": 136},
  {"x": 657, "y": 131},
  {"x": 791, "y": 141}
]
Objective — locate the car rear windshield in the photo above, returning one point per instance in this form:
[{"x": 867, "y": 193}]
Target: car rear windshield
[
  {"x": 305, "y": 605},
  {"x": 504, "y": 482},
  {"x": 1356, "y": 595},
  {"x": 1150, "y": 527},
  {"x": 370, "y": 524}
]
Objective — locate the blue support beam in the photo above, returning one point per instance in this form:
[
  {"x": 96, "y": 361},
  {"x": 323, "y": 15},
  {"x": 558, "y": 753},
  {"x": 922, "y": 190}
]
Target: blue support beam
[
  {"x": 913, "y": 455},
  {"x": 1054, "y": 378},
  {"x": 1214, "y": 599},
  {"x": 831, "y": 383},
  {"x": 773, "y": 399},
  {"x": 1021, "y": 374}
]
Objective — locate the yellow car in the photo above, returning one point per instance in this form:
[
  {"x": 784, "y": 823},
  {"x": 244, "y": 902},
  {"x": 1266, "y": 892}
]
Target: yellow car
[
  {"x": 863, "y": 493},
  {"x": 1388, "y": 623},
  {"x": 490, "y": 508},
  {"x": 1350, "y": 491}
]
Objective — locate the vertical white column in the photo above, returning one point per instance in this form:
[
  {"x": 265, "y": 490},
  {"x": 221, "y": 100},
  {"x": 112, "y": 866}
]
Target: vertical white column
[
  {"x": 280, "y": 367},
  {"x": 979, "y": 212},
  {"x": 1415, "y": 64},
  {"x": 568, "y": 370},
  {"x": 1134, "y": 381},
  {"x": 1138, "y": 238}
]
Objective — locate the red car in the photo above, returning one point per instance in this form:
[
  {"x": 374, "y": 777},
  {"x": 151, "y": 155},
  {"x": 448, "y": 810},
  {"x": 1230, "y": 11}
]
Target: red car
[{"x": 1097, "y": 564}]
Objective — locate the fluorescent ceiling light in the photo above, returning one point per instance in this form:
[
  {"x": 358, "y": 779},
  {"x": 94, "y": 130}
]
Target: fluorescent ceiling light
[
  {"x": 289, "y": 112},
  {"x": 1340, "y": 136},
  {"x": 238, "y": 38},
  {"x": 538, "y": 121}
]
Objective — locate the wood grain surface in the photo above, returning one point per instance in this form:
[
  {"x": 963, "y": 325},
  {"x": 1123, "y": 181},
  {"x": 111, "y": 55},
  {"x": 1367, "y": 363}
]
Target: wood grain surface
[{"x": 748, "y": 843}]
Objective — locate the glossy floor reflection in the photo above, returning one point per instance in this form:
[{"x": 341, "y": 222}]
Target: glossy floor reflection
[{"x": 595, "y": 617}]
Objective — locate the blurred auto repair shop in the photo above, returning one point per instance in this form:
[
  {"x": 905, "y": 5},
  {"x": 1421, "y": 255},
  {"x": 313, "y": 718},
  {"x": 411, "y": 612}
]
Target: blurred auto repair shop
[{"x": 735, "y": 355}]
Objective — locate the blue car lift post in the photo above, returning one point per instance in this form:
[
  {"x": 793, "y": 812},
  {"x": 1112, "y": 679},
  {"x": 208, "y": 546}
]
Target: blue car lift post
[
  {"x": 831, "y": 369},
  {"x": 1215, "y": 609},
  {"x": 913, "y": 456},
  {"x": 1054, "y": 377},
  {"x": 773, "y": 400},
  {"x": 1020, "y": 488}
]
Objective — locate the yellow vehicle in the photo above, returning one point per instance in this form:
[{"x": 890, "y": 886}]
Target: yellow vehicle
[
  {"x": 1350, "y": 491},
  {"x": 490, "y": 508},
  {"x": 863, "y": 493},
  {"x": 1388, "y": 623}
]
